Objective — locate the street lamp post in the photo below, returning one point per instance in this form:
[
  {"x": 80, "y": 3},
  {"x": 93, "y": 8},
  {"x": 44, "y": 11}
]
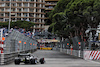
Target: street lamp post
[{"x": 9, "y": 16}]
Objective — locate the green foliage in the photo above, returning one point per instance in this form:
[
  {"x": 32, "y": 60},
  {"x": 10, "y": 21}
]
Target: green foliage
[
  {"x": 19, "y": 24},
  {"x": 76, "y": 13},
  {"x": 4, "y": 24}
]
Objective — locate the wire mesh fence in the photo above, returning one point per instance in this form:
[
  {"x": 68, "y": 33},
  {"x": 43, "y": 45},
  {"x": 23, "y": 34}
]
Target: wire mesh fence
[{"x": 17, "y": 41}]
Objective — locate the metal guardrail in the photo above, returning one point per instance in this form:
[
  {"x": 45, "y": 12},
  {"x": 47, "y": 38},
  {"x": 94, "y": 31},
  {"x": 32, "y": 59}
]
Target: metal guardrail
[
  {"x": 65, "y": 47},
  {"x": 68, "y": 51}
]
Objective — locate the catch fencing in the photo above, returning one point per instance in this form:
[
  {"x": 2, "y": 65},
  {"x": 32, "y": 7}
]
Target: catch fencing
[
  {"x": 75, "y": 49},
  {"x": 15, "y": 43}
]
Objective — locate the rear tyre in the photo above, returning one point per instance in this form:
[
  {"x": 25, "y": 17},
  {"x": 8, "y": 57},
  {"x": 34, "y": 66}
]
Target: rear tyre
[{"x": 17, "y": 61}]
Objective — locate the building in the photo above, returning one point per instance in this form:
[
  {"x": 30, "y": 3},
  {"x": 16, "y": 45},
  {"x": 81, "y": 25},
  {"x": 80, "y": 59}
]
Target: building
[
  {"x": 49, "y": 5},
  {"x": 28, "y": 10}
]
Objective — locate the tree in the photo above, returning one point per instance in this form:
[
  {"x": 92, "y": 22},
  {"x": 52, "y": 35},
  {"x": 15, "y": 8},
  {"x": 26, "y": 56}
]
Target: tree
[
  {"x": 80, "y": 13},
  {"x": 60, "y": 7},
  {"x": 19, "y": 24}
]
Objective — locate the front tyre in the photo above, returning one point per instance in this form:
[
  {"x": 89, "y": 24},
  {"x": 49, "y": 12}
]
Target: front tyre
[
  {"x": 17, "y": 61},
  {"x": 42, "y": 61}
]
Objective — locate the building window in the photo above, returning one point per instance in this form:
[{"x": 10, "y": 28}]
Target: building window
[
  {"x": 2, "y": 9},
  {"x": 2, "y": 15},
  {"x": 36, "y": 0},
  {"x": 1, "y": 19},
  {"x": 2, "y": 0},
  {"x": 20, "y": 5},
  {"x": 18, "y": 18},
  {"x": 27, "y": 0},
  {"x": 13, "y": 0},
  {"x": 12, "y": 9},
  {"x": 13, "y": 4},
  {"x": 32, "y": 0},
  {"x": 24, "y": 19},
  {"x": 36, "y": 10},
  {"x": 19, "y": 9},
  {"x": 31, "y": 10},
  {"x": 7, "y": 4},
  {"x": 19, "y": 14},
  {"x": 19, "y": 0},
  {"x": 7, "y": 0},
  {"x": 26, "y": 5},
  {"x": 31, "y": 5},
  {"x": 6, "y": 19},
  {"x": 7, "y": 14},
  {"x": 25, "y": 10},
  {"x": 25, "y": 15}
]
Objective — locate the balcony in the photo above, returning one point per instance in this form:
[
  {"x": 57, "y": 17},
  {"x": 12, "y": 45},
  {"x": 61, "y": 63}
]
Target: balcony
[
  {"x": 49, "y": 9},
  {"x": 2, "y": 5},
  {"x": 13, "y": 20},
  {"x": 13, "y": 5},
  {"x": 18, "y": 15},
  {"x": 1, "y": 19},
  {"x": 31, "y": 10},
  {"x": 31, "y": 5},
  {"x": 50, "y": 4},
  {"x": 19, "y": 0},
  {"x": 37, "y": 27},
  {"x": 39, "y": 23},
  {"x": 1, "y": 10},
  {"x": 25, "y": 5},
  {"x": 25, "y": 10},
  {"x": 46, "y": 18},
  {"x": 13, "y": 0},
  {"x": 13, "y": 13},
  {"x": 51, "y": 0}
]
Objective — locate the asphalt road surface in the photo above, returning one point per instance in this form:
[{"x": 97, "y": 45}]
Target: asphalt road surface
[{"x": 57, "y": 59}]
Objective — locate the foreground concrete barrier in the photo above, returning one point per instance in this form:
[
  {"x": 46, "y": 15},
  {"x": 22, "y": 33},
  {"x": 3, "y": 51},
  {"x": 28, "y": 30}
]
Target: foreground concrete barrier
[{"x": 91, "y": 55}]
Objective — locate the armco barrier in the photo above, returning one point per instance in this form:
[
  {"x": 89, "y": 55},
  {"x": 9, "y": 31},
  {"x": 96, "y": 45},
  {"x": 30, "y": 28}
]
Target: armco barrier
[
  {"x": 6, "y": 58},
  {"x": 73, "y": 52}
]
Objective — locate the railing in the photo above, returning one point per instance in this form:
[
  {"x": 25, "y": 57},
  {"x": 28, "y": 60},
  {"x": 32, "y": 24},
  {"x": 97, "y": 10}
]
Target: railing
[{"x": 70, "y": 52}]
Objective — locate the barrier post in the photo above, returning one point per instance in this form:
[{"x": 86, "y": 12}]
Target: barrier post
[
  {"x": 19, "y": 49},
  {"x": 71, "y": 49},
  {"x": 79, "y": 43},
  {"x": 1, "y": 41}
]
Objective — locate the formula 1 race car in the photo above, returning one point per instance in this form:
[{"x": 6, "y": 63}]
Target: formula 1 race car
[{"x": 28, "y": 59}]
